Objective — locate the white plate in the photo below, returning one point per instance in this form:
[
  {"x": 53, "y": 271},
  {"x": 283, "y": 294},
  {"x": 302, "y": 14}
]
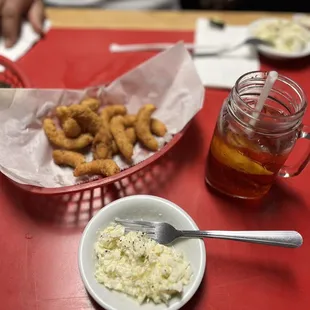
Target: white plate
[
  {"x": 272, "y": 52},
  {"x": 148, "y": 208}
]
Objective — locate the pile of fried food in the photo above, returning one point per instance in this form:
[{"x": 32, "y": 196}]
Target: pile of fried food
[{"x": 108, "y": 132}]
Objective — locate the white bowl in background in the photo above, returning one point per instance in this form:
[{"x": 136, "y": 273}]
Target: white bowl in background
[
  {"x": 271, "y": 52},
  {"x": 302, "y": 19},
  {"x": 147, "y": 208}
]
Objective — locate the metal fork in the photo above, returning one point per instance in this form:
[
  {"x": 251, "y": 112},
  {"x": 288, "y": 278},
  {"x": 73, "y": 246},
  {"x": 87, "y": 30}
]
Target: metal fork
[{"x": 165, "y": 233}]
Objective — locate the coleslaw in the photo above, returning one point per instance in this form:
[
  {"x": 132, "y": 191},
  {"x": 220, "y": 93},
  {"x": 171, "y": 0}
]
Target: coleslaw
[
  {"x": 138, "y": 266},
  {"x": 284, "y": 35}
]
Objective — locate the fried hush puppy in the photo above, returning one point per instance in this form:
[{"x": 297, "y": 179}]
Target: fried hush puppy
[
  {"x": 62, "y": 112},
  {"x": 68, "y": 158},
  {"x": 110, "y": 111},
  {"x": 58, "y": 138},
  {"x": 102, "y": 145},
  {"x": 158, "y": 128},
  {"x": 109, "y": 133},
  {"x": 131, "y": 134},
  {"x": 70, "y": 126},
  {"x": 105, "y": 147},
  {"x": 87, "y": 119},
  {"x": 91, "y": 103},
  {"x": 105, "y": 167},
  {"x": 107, "y": 113},
  {"x": 114, "y": 147},
  {"x": 143, "y": 127},
  {"x": 130, "y": 120},
  {"x": 122, "y": 141}
]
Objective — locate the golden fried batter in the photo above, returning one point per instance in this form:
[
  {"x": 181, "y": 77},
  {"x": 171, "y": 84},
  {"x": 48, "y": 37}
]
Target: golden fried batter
[
  {"x": 71, "y": 128},
  {"x": 102, "y": 144},
  {"x": 68, "y": 158},
  {"x": 130, "y": 120},
  {"x": 63, "y": 112},
  {"x": 105, "y": 167},
  {"x": 58, "y": 138},
  {"x": 87, "y": 119},
  {"x": 112, "y": 110},
  {"x": 143, "y": 127},
  {"x": 114, "y": 148},
  {"x": 91, "y": 103},
  {"x": 158, "y": 128},
  {"x": 131, "y": 134},
  {"x": 118, "y": 131}
]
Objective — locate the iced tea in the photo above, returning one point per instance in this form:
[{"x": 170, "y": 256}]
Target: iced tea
[
  {"x": 250, "y": 145},
  {"x": 237, "y": 167}
]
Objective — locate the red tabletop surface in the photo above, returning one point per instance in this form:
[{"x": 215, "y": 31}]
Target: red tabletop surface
[{"x": 39, "y": 235}]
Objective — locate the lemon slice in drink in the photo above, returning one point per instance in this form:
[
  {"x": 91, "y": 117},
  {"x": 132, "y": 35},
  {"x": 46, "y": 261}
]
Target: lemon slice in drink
[
  {"x": 232, "y": 158},
  {"x": 239, "y": 141}
]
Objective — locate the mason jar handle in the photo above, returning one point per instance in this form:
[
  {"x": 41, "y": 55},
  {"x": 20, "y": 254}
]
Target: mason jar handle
[{"x": 291, "y": 171}]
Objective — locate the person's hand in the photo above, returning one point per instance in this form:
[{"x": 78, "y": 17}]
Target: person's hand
[{"x": 12, "y": 14}]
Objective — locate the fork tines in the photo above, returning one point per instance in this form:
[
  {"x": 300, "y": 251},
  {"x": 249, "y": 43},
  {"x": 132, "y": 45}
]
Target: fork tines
[{"x": 133, "y": 225}]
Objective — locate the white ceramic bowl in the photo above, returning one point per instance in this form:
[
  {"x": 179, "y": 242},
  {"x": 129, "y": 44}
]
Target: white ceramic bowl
[
  {"x": 271, "y": 52},
  {"x": 147, "y": 208},
  {"x": 302, "y": 19}
]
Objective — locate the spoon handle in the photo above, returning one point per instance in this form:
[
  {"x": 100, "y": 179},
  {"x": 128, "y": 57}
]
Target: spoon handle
[{"x": 122, "y": 48}]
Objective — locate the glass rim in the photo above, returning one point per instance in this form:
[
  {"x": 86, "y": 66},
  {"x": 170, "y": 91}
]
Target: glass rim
[{"x": 281, "y": 77}]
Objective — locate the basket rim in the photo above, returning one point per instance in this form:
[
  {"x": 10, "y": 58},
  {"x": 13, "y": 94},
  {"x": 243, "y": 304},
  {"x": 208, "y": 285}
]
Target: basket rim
[
  {"x": 10, "y": 65},
  {"x": 107, "y": 180}
]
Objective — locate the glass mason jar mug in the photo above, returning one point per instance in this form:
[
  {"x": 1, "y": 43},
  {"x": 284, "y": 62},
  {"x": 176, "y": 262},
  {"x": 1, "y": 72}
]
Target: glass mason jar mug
[{"x": 250, "y": 146}]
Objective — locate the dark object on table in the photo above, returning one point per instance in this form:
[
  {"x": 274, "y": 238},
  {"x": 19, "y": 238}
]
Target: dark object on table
[
  {"x": 217, "y": 23},
  {"x": 190, "y": 4},
  {"x": 244, "y": 5},
  {"x": 4, "y": 85}
]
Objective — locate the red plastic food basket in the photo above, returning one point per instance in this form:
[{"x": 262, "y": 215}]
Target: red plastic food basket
[
  {"x": 102, "y": 182},
  {"x": 12, "y": 75}
]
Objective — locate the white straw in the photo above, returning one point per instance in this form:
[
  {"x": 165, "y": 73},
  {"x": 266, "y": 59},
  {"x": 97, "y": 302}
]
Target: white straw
[{"x": 271, "y": 79}]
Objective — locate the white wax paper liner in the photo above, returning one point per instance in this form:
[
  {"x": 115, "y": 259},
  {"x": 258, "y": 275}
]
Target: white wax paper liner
[{"x": 168, "y": 80}]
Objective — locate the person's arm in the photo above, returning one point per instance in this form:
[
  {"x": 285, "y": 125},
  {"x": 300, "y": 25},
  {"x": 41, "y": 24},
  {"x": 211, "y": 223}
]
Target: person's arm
[{"x": 12, "y": 14}]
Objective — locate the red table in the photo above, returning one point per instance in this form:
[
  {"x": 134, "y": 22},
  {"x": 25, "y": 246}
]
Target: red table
[{"x": 40, "y": 235}]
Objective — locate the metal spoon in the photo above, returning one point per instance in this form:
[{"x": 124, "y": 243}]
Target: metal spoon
[
  {"x": 197, "y": 49},
  {"x": 226, "y": 49}
]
